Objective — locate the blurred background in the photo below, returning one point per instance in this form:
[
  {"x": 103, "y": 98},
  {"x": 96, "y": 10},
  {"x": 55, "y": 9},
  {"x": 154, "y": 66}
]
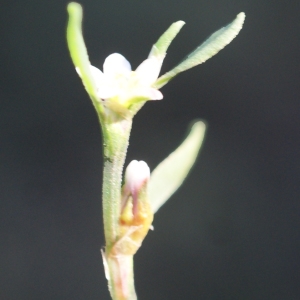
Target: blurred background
[{"x": 232, "y": 231}]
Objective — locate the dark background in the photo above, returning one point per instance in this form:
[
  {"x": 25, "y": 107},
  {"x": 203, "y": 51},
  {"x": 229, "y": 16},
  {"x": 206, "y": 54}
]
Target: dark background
[{"x": 232, "y": 231}]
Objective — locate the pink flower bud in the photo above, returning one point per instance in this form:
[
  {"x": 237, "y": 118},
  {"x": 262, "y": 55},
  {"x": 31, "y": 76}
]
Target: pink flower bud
[
  {"x": 136, "y": 214},
  {"x": 137, "y": 175}
]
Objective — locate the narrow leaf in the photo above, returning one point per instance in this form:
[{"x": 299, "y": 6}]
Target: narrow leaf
[
  {"x": 78, "y": 50},
  {"x": 163, "y": 43},
  {"x": 171, "y": 172},
  {"x": 216, "y": 42}
]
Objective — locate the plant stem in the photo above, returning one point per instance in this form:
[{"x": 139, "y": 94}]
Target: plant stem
[
  {"x": 120, "y": 277},
  {"x": 115, "y": 143},
  {"x": 119, "y": 268}
]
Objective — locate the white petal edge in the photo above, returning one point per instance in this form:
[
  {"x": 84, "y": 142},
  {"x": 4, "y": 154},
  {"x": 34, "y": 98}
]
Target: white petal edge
[
  {"x": 148, "y": 70},
  {"x": 97, "y": 74},
  {"x": 116, "y": 64},
  {"x": 148, "y": 93},
  {"x": 105, "y": 88}
]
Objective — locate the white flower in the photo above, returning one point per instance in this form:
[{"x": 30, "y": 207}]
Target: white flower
[
  {"x": 137, "y": 174},
  {"x": 120, "y": 84}
]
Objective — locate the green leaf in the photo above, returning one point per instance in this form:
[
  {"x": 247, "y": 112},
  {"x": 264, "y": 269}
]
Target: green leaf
[
  {"x": 171, "y": 172},
  {"x": 216, "y": 42},
  {"x": 163, "y": 43},
  {"x": 78, "y": 50}
]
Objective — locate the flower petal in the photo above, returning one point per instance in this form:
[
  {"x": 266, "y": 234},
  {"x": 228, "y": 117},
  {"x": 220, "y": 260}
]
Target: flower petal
[
  {"x": 156, "y": 94},
  {"x": 104, "y": 87},
  {"x": 116, "y": 64},
  {"x": 147, "y": 93},
  {"x": 106, "y": 92},
  {"x": 148, "y": 70},
  {"x": 97, "y": 74}
]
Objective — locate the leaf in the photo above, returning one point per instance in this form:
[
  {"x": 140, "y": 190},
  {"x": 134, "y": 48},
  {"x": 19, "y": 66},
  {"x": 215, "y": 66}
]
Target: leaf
[
  {"x": 216, "y": 42},
  {"x": 167, "y": 177},
  {"x": 163, "y": 43},
  {"x": 78, "y": 50}
]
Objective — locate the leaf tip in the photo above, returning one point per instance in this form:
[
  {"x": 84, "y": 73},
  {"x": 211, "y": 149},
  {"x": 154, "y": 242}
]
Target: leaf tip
[
  {"x": 199, "y": 126},
  {"x": 239, "y": 21},
  {"x": 180, "y": 23},
  {"x": 241, "y": 16},
  {"x": 197, "y": 129},
  {"x": 74, "y": 7}
]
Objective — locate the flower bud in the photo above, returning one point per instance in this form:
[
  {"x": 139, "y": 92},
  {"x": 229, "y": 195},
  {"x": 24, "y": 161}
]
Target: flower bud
[
  {"x": 137, "y": 176},
  {"x": 136, "y": 215}
]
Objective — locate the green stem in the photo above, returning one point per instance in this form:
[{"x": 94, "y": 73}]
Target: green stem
[
  {"x": 119, "y": 271},
  {"x": 115, "y": 143}
]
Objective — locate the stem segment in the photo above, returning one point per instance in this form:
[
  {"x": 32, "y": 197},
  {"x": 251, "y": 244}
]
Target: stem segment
[{"x": 119, "y": 268}]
